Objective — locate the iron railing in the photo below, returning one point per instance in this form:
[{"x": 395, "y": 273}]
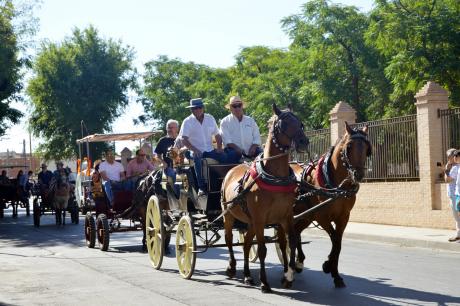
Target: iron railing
[
  {"x": 450, "y": 130},
  {"x": 394, "y": 149},
  {"x": 320, "y": 142}
]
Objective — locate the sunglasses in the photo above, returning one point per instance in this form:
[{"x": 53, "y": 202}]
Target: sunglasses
[
  {"x": 237, "y": 105},
  {"x": 197, "y": 107}
]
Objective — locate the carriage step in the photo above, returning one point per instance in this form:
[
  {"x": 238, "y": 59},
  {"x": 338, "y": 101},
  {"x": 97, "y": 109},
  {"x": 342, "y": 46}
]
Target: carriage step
[{"x": 199, "y": 216}]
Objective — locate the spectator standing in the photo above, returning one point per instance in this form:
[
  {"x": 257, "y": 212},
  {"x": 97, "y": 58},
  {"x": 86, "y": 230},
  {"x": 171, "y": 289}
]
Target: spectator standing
[{"x": 452, "y": 178}]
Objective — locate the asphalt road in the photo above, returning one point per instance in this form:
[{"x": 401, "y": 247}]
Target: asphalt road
[{"x": 51, "y": 265}]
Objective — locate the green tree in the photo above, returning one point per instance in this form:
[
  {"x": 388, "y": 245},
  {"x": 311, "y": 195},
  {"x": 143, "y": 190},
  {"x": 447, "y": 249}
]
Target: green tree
[
  {"x": 338, "y": 63},
  {"x": 83, "y": 78},
  {"x": 421, "y": 41},
  {"x": 171, "y": 83},
  {"x": 16, "y": 26}
]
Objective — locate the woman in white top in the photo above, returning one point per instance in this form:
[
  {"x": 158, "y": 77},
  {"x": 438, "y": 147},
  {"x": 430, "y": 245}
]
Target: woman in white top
[{"x": 453, "y": 188}]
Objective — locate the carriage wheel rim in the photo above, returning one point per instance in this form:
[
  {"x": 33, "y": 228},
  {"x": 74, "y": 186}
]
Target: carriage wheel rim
[
  {"x": 154, "y": 233},
  {"x": 185, "y": 245}
]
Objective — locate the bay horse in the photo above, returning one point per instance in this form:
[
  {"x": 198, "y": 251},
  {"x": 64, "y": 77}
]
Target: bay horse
[
  {"x": 245, "y": 196},
  {"x": 61, "y": 193},
  {"x": 339, "y": 170}
]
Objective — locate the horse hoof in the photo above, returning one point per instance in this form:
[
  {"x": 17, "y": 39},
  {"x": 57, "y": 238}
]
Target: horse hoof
[
  {"x": 265, "y": 288},
  {"x": 327, "y": 267},
  {"x": 230, "y": 272},
  {"x": 298, "y": 267},
  {"x": 249, "y": 281},
  {"x": 285, "y": 283},
  {"x": 339, "y": 283}
]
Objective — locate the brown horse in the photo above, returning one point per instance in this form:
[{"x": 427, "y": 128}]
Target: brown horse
[
  {"x": 340, "y": 170},
  {"x": 246, "y": 198}
]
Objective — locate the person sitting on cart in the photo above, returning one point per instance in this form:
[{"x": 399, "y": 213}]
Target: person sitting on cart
[
  {"x": 113, "y": 176},
  {"x": 166, "y": 142},
  {"x": 4, "y": 180},
  {"x": 44, "y": 177},
  {"x": 240, "y": 133},
  {"x": 196, "y": 133},
  {"x": 138, "y": 166}
]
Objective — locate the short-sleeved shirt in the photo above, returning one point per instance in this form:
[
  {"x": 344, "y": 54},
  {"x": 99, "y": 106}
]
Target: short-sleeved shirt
[
  {"x": 112, "y": 170},
  {"x": 162, "y": 148},
  {"x": 242, "y": 133},
  {"x": 45, "y": 177},
  {"x": 451, "y": 187},
  {"x": 200, "y": 134},
  {"x": 135, "y": 168}
]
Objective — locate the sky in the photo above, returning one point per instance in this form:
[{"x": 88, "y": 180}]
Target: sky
[{"x": 209, "y": 32}]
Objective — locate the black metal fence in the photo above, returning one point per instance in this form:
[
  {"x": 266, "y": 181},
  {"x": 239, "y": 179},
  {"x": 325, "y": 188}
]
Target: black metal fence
[
  {"x": 394, "y": 144},
  {"x": 450, "y": 126},
  {"x": 320, "y": 142}
]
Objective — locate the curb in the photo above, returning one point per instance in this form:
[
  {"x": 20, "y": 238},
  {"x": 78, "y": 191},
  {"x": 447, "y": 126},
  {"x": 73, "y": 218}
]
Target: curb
[{"x": 399, "y": 241}]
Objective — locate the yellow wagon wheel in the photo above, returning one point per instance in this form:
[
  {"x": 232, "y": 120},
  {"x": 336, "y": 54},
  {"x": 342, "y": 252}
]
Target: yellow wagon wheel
[
  {"x": 278, "y": 249},
  {"x": 155, "y": 232},
  {"x": 253, "y": 256},
  {"x": 185, "y": 247}
]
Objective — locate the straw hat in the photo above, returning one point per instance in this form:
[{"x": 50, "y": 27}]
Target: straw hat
[{"x": 235, "y": 100}]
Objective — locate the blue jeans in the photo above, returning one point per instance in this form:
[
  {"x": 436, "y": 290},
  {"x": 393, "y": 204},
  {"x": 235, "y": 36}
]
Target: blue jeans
[
  {"x": 220, "y": 157},
  {"x": 112, "y": 186}
]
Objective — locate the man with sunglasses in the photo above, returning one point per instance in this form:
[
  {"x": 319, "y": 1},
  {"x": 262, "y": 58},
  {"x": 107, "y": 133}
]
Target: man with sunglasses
[
  {"x": 240, "y": 133},
  {"x": 138, "y": 165},
  {"x": 196, "y": 133}
]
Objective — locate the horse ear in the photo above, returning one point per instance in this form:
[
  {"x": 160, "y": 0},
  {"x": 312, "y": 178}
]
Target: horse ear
[
  {"x": 365, "y": 128},
  {"x": 289, "y": 106},
  {"x": 348, "y": 128},
  {"x": 276, "y": 110}
]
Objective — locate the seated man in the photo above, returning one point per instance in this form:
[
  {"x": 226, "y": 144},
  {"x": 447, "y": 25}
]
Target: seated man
[
  {"x": 196, "y": 134},
  {"x": 240, "y": 133},
  {"x": 113, "y": 176},
  {"x": 44, "y": 177},
  {"x": 138, "y": 166},
  {"x": 172, "y": 128}
]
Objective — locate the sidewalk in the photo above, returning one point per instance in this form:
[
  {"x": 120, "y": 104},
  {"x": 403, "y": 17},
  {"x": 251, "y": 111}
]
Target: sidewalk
[{"x": 399, "y": 235}]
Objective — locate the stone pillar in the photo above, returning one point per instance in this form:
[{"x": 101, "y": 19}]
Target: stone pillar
[
  {"x": 341, "y": 112},
  {"x": 429, "y": 99}
]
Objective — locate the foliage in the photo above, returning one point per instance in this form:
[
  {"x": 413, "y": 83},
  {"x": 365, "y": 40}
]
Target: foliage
[
  {"x": 83, "y": 78},
  {"x": 170, "y": 84},
  {"x": 421, "y": 40},
  {"x": 17, "y": 25}
]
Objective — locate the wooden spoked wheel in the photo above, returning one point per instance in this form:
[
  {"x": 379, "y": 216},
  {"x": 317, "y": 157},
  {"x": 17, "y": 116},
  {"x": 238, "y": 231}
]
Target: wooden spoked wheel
[
  {"x": 185, "y": 247},
  {"x": 253, "y": 256},
  {"x": 90, "y": 230},
  {"x": 278, "y": 249},
  {"x": 103, "y": 234},
  {"x": 155, "y": 232}
]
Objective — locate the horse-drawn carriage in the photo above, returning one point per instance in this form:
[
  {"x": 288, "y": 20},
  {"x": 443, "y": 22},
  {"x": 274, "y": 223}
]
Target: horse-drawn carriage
[
  {"x": 43, "y": 203},
  {"x": 12, "y": 195},
  {"x": 266, "y": 193},
  {"x": 100, "y": 218}
]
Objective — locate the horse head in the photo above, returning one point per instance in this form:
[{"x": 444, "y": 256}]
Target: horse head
[
  {"x": 176, "y": 155},
  {"x": 288, "y": 130},
  {"x": 355, "y": 148}
]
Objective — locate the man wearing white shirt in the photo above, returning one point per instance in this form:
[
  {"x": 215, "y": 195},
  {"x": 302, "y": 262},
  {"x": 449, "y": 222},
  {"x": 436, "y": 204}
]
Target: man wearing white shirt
[
  {"x": 240, "y": 133},
  {"x": 113, "y": 176},
  {"x": 196, "y": 133}
]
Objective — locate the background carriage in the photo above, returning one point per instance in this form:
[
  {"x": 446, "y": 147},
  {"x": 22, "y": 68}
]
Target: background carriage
[
  {"x": 100, "y": 220},
  {"x": 12, "y": 196}
]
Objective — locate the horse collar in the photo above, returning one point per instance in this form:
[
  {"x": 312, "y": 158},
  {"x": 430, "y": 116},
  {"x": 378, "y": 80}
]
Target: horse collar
[
  {"x": 323, "y": 174},
  {"x": 268, "y": 182}
]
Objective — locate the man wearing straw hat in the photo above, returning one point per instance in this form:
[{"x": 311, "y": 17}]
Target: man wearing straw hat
[
  {"x": 196, "y": 133},
  {"x": 240, "y": 133}
]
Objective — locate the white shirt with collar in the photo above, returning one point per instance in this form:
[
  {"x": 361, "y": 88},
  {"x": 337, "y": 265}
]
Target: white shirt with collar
[
  {"x": 200, "y": 134},
  {"x": 243, "y": 133},
  {"x": 112, "y": 170}
]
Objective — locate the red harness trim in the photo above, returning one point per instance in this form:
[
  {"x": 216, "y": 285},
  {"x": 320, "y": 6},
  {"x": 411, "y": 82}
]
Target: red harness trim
[
  {"x": 319, "y": 172},
  {"x": 268, "y": 187}
]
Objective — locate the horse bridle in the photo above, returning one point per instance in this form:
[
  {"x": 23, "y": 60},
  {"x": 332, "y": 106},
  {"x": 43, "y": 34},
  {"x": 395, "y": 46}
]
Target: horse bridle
[
  {"x": 278, "y": 129},
  {"x": 358, "y": 135}
]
